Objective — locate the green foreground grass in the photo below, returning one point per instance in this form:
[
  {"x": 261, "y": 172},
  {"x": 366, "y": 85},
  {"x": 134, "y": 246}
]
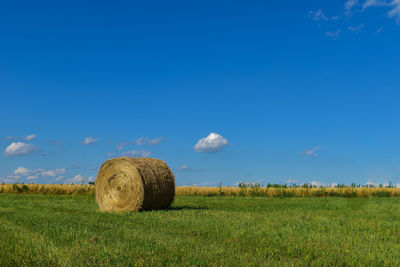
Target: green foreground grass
[{"x": 69, "y": 231}]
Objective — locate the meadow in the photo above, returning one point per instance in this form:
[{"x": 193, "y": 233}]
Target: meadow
[
  {"x": 242, "y": 190},
  {"x": 68, "y": 230}
]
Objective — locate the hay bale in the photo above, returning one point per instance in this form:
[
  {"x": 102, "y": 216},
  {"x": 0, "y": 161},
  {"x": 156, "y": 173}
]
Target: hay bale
[{"x": 133, "y": 184}]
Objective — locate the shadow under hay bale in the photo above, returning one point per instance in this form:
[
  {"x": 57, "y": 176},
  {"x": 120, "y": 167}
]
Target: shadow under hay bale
[{"x": 134, "y": 184}]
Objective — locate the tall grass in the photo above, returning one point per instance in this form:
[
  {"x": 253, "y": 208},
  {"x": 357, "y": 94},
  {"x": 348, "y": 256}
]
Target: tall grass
[{"x": 241, "y": 191}]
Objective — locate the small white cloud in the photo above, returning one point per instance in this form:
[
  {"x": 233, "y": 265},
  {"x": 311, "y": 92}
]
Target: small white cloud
[
  {"x": 394, "y": 12},
  {"x": 78, "y": 179},
  {"x": 204, "y": 184},
  {"x": 137, "y": 153},
  {"x": 35, "y": 174},
  {"x": 370, "y": 3},
  {"x": 56, "y": 142},
  {"x": 317, "y": 183},
  {"x": 109, "y": 154},
  {"x": 348, "y": 6},
  {"x": 19, "y": 149},
  {"x": 379, "y": 30},
  {"x": 148, "y": 141},
  {"x": 90, "y": 140},
  {"x": 30, "y": 137},
  {"x": 90, "y": 179},
  {"x": 59, "y": 178},
  {"x": 121, "y": 146},
  {"x": 8, "y": 138},
  {"x": 211, "y": 144},
  {"x": 369, "y": 183},
  {"x": 311, "y": 153},
  {"x": 333, "y": 184},
  {"x": 291, "y": 181},
  {"x": 333, "y": 35},
  {"x": 318, "y": 15},
  {"x": 356, "y": 29},
  {"x": 186, "y": 168},
  {"x": 22, "y": 171}
]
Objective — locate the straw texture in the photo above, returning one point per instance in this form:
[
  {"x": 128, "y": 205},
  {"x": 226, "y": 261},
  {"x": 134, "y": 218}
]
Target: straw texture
[{"x": 134, "y": 184}]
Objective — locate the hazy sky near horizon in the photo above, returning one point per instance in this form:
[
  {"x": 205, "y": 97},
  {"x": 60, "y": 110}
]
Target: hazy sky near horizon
[{"x": 223, "y": 91}]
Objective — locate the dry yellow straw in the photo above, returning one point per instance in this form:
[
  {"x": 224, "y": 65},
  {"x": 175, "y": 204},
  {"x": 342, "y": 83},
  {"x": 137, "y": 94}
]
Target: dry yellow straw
[{"x": 133, "y": 184}]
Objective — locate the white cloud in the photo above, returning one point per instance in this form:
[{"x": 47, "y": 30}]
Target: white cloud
[
  {"x": 53, "y": 173},
  {"x": 121, "y": 146},
  {"x": 8, "y": 138},
  {"x": 348, "y": 6},
  {"x": 317, "y": 183},
  {"x": 311, "y": 153},
  {"x": 333, "y": 184},
  {"x": 369, "y": 3},
  {"x": 137, "y": 153},
  {"x": 19, "y": 149},
  {"x": 22, "y": 171},
  {"x": 333, "y": 35},
  {"x": 109, "y": 154},
  {"x": 211, "y": 144},
  {"x": 317, "y": 15},
  {"x": 204, "y": 184},
  {"x": 186, "y": 168},
  {"x": 90, "y": 179},
  {"x": 372, "y": 184},
  {"x": 356, "y": 29},
  {"x": 30, "y": 137},
  {"x": 35, "y": 174},
  {"x": 291, "y": 181},
  {"x": 59, "y": 178},
  {"x": 394, "y": 12},
  {"x": 379, "y": 30},
  {"x": 148, "y": 141},
  {"x": 90, "y": 140},
  {"x": 78, "y": 179}
]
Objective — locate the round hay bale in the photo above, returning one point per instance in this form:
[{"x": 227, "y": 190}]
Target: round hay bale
[{"x": 133, "y": 184}]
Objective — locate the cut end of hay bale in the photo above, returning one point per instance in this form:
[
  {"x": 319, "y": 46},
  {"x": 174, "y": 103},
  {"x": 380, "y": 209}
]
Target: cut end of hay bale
[{"x": 134, "y": 184}]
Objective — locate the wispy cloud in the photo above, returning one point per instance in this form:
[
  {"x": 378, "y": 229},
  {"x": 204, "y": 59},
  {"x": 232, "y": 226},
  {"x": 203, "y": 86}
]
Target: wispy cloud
[
  {"x": 211, "y": 144},
  {"x": 30, "y": 137},
  {"x": 37, "y": 173},
  {"x": 318, "y": 15},
  {"x": 142, "y": 141},
  {"x": 90, "y": 140},
  {"x": 137, "y": 153},
  {"x": 78, "y": 179},
  {"x": 333, "y": 35},
  {"x": 356, "y": 29},
  {"x": 186, "y": 168},
  {"x": 317, "y": 183},
  {"x": 311, "y": 153},
  {"x": 19, "y": 149},
  {"x": 121, "y": 145},
  {"x": 348, "y": 6},
  {"x": 394, "y": 6},
  {"x": 291, "y": 181}
]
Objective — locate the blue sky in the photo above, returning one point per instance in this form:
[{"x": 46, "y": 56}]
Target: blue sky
[{"x": 225, "y": 91}]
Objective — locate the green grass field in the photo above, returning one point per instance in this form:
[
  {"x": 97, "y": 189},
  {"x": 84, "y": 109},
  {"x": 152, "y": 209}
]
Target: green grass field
[{"x": 69, "y": 231}]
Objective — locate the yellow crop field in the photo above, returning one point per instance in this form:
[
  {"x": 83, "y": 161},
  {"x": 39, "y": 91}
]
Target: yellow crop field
[{"x": 59, "y": 189}]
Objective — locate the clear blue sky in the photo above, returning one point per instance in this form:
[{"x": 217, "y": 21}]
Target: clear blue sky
[{"x": 295, "y": 91}]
